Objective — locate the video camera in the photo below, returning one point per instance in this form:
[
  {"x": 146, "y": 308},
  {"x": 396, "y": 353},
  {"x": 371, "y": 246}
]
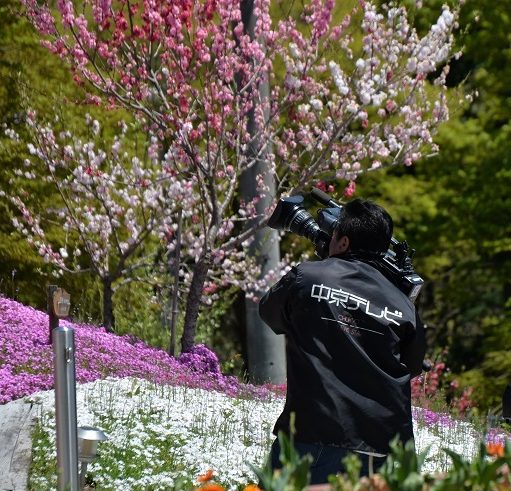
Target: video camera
[{"x": 395, "y": 264}]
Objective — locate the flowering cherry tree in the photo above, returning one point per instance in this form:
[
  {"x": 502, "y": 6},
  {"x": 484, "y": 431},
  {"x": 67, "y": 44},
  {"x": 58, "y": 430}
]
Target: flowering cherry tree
[
  {"x": 109, "y": 203},
  {"x": 344, "y": 98}
]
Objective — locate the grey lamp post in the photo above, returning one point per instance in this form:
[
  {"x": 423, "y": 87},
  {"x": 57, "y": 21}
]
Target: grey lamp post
[{"x": 88, "y": 439}]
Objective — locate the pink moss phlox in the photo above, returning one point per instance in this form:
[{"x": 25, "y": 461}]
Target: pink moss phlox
[
  {"x": 200, "y": 359},
  {"x": 26, "y": 358},
  {"x": 432, "y": 418}
]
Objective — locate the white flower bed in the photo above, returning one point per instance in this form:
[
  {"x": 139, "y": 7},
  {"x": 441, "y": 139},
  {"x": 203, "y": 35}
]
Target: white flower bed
[{"x": 160, "y": 436}]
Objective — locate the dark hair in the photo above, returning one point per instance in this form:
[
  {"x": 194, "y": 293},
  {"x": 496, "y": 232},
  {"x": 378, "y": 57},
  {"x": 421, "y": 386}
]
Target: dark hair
[{"x": 367, "y": 225}]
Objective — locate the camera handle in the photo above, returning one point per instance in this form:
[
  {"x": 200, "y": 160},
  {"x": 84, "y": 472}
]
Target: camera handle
[{"x": 324, "y": 199}]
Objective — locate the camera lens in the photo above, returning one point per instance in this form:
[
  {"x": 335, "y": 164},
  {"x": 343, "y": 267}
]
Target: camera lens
[
  {"x": 302, "y": 223},
  {"x": 290, "y": 215}
]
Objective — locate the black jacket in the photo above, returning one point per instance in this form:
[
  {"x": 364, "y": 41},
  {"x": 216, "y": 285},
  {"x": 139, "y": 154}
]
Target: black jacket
[{"x": 354, "y": 340}]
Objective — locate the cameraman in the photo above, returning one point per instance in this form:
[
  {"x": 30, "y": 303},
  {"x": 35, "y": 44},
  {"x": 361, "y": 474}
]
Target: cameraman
[{"x": 353, "y": 342}]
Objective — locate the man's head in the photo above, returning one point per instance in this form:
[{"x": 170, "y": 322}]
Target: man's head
[{"x": 363, "y": 226}]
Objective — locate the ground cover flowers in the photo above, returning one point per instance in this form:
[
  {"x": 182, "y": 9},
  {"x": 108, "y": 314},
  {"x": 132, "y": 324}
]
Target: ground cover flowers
[
  {"x": 174, "y": 437},
  {"x": 26, "y": 358},
  {"x": 172, "y": 420},
  {"x": 160, "y": 436}
]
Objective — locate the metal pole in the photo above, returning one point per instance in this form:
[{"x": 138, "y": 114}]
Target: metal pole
[
  {"x": 266, "y": 352},
  {"x": 65, "y": 408},
  {"x": 175, "y": 271}
]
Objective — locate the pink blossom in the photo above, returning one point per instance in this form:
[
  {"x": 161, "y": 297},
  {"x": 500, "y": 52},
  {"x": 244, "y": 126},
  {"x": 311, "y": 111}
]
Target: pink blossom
[
  {"x": 67, "y": 11},
  {"x": 196, "y": 78},
  {"x": 350, "y": 189}
]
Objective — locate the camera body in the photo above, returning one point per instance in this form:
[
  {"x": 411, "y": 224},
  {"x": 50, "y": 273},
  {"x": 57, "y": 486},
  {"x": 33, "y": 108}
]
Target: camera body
[{"x": 395, "y": 264}]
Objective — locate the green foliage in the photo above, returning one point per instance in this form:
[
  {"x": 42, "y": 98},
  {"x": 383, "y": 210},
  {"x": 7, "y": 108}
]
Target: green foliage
[
  {"x": 33, "y": 77},
  {"x": 138, "y": 311},
  {"x": 353, "y": 467},
  {"x": 482, "y": 474},
  {"x": 211, "y": 318},
  {"x": 400, "y": 472},
  {"x": 402, "y": 469},
  {"x": 454, "y": 207},
  {"x": 145, "y": 312}
]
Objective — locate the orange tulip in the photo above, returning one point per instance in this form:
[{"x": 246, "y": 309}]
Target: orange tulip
[
  {"x": 211, "y": 486},
  {"x": 495, "y": 449},
  {"x": 206, "y": 477},
  {"x": 252, "y": 487}
]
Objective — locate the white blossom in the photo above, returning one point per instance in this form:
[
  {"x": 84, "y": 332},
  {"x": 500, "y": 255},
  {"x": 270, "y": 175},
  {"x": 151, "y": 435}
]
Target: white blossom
[
  {"x": 316, "y": 104},
  {"x": 338, "y": 78}
]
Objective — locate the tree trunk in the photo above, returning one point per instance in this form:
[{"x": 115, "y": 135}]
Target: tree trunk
[
  {"x": 265, "y": 350},
  {"x": 193, "y": 302},
  {"x": 108, "y": 309}
]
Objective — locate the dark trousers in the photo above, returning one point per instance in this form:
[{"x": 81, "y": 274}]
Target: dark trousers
[{"x": 326, "y": 460}]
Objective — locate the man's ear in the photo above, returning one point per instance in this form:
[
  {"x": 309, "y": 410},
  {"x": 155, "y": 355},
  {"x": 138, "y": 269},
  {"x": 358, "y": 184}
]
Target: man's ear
[{"x": 343, "y": 244}]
